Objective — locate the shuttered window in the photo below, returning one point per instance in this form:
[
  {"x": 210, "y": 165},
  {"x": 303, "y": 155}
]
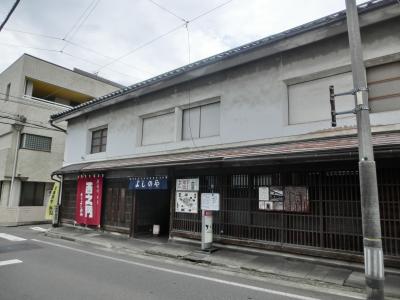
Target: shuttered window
[
  {"x": 384, "y": 87},
  {"x": 201, "y": 121}
]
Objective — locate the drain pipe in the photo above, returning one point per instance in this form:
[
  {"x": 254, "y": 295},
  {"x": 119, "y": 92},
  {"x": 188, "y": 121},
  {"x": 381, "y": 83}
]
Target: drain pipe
[
  {"x": 18, "y": 128},
  {"x": 57, "y": 127}
]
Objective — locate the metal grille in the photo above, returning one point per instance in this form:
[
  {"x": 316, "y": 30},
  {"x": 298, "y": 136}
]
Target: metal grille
[
  {"x": 332, "y": 223},
  {"x": 36, "y": 142}
]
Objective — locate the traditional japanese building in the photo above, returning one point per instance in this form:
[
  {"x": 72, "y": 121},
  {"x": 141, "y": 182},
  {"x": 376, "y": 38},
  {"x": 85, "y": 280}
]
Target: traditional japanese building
[{"x": 252, "y": 125}]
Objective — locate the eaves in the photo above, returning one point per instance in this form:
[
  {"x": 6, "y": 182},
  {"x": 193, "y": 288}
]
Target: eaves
[{"x": 370, "y": 13}]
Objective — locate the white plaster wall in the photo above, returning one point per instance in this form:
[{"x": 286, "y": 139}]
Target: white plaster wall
[{"x": 254, "y": 100}]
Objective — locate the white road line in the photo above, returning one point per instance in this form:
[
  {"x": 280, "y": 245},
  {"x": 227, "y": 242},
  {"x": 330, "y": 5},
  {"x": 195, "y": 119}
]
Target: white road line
[
  {"x": 212, "y": 279},
  {"x": 11, "y": 237},
  {"x": 10, "y": 262},
  {"x": 41, "y": 229}
]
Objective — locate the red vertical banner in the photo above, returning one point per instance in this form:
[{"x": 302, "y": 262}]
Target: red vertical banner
[{"x": 88, "y": 200}]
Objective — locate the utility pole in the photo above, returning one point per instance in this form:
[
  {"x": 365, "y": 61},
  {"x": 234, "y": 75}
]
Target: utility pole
[{"x": 373, "y": 254}]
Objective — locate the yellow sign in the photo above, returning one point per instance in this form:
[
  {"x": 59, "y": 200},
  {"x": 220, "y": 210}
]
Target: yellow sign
[{"x": 53, "y": 201}]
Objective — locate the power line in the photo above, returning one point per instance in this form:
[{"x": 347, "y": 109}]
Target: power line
[
  {"x": 48, "y": 128},
  {"x": 189, "y": 91},
  {"x": 81, "y": 20},
  {"x": 9, "y": 14},
  {"x": 73, "y": 44},
  {"x": 34, "y": 33},
  {"x": 21, "y": 100},
  {"x": 33, "y": 122},
  {"x": 164, "y": 34},
  {"x": 29, "y": 124},
  {"x": 210, "y": 11},
  {"x": 141, "y": 46},
  {"x": 68, "y": 54},
  {"x": 97, "y": 64},
  {"x": 168, "y": 11},
  {"x": 29, "y": 47}
]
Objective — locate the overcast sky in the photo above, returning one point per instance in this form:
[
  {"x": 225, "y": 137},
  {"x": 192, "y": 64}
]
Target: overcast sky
[{"x": 104, "y": 35}]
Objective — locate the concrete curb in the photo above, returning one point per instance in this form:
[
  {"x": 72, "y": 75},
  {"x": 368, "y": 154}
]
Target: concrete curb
[{"x": 77, "y": 239}]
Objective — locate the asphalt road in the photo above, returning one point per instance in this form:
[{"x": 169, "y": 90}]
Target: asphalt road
[{"x": 43, "y": 268}]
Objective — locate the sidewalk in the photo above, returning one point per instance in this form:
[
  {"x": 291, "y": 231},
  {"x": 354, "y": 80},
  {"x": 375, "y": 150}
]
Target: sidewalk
[{"x": 303, "y": 269}]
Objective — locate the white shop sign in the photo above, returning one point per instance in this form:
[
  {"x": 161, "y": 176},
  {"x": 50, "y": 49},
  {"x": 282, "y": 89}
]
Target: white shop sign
[
  {"x": 210, "y": 201},
  {"x": 187, "y": 184},
  {"x": 186, "y": 202},
  {"x": 263, "y": 193}
]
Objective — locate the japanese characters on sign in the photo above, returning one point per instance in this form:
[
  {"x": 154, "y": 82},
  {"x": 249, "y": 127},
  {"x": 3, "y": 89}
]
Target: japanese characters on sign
[
  {"x": 53, "y": 201},
  {"x": 187, "y": 184},
  {"x": 210, "y": 201},
  {"x": 88, "y": 199},
  {"x": 186, "y": 202},
  {"x": 296, "y": 199},
  {"x": 148, "y": 183},
  {"x": 289, "y": 198}
]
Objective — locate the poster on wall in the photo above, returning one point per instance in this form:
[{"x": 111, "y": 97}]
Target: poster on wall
[
  {"x": 88, "y": 199},
  {"x": 186, "y": 202},
  {"x": 296, "y": 199},
  {"x": 187, "y": 184},
  {"x": 270, "y": 198},
  {"x": 210, "y": 201}
]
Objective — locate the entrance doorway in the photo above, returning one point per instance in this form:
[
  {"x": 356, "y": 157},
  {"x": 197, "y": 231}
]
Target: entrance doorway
[{"x": 151, "y": 208}]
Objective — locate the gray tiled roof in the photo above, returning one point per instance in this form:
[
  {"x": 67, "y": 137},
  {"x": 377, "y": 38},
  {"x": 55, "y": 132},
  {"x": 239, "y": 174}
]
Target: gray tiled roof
[{"x": 362, "y": 8}]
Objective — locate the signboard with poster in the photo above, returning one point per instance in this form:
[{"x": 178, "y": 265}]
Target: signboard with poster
[
  {"x": 210, "y": 201},
  {"x": 270, "y": 198},
  {"x": 296, "y": 199},
  {"x": 187, "y": 184},
  {"x": 186, "y": 202}
]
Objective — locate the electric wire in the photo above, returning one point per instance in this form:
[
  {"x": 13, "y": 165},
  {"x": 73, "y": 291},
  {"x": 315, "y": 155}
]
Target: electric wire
[
  {"x": 113, "y": 60},
  {"x": 77, "y": 46},
  {"x": 97, "y": 64},
  {"x": 81, "y": 20},
  {"x": 145, "y": 44},
  {"x": 189, "y": 91},
  {"x": 29, "y": 47},
  {"x": 29, "y": 124},
  {"x": 21, "y": 100},
  {"x": 168, "y": 10},
  {"x": 33, "y": 122},
  {"x": 9, "y": 14}
]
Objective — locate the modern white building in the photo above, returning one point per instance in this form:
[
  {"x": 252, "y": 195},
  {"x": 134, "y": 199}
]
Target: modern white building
[
  {"x": 246, "y": 121},
  {"x": 32, "y": 89}
]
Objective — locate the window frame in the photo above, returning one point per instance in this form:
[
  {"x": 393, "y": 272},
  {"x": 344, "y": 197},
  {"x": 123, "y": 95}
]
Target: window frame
[
  {"x": 36, "y": 185},
  {"x": 23, "y": 142},
  {"x": 200, "y": 106},
  {"x": 102, "y": 145}
]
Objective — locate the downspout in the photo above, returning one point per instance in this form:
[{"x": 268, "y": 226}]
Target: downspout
[
  {"x": 57, "y": 127},
  {"x": 19, "y": 128}
]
